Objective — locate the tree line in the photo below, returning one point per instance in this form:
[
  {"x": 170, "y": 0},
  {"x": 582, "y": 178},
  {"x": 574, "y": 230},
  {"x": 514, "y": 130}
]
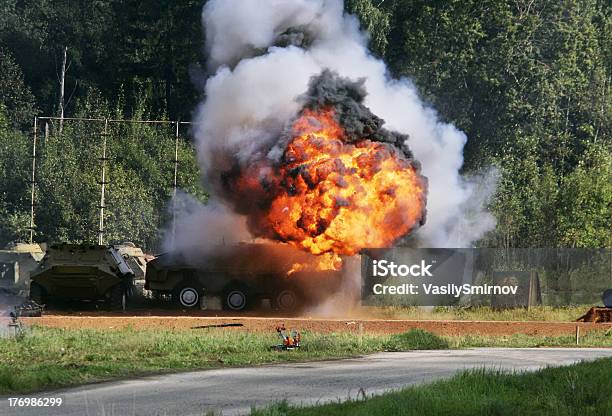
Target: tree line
[{"x": 528, "y": 81}]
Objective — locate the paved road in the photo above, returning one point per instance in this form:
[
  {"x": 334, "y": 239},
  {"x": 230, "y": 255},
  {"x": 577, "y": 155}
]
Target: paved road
[{"x": 235, "y": 390}]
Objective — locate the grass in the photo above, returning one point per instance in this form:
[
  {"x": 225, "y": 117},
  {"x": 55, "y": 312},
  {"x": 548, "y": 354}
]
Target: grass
[
  {"x": 47, "y": 358},
  {"x": 581, "y": 389},
  {"x": 417, "y": 339},
  {"x": 50, "y": 357},
  {"x": 483, "y": 313},
  {"x": 590, "y": 339}
]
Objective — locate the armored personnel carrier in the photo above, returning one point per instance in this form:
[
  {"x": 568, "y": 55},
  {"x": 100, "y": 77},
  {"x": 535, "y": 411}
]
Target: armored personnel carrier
[
  {"x": 17, "y": 262},
  {"x": 241, "y": 275},
  {"x": 83, "y": 272}
]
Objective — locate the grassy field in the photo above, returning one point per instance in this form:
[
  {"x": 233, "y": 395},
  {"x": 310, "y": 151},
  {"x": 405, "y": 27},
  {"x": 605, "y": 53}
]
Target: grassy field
[
  {"x": 482, "y": 313},
  {"x": 589, "y": 339},
  {"x": 47, "y": 357},
  {"x": 581, "y": 389}
]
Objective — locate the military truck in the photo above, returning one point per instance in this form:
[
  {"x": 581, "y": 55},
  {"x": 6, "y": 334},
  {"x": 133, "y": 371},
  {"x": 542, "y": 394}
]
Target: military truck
[
  {"x": 241, "y": 275},
  {"x": 82, "y": 272}
]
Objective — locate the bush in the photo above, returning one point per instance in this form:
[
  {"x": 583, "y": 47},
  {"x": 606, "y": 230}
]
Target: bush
[{"x": 415, "y": 339}]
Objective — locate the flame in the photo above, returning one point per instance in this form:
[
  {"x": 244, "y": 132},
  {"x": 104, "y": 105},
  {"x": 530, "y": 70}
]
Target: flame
[
  {"x": 324, "y": 262},
  {"x": 337, "y": 197},
  {"x": 296, "y": 267},
  {"x": 329, "y": 194}
]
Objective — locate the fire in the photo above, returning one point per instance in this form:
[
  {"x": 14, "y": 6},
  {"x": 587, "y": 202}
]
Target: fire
[
  {"x": 296, "y": 267},
  {"x": 336, "y": 196},
  {"x": 330, "y": 193},
  {"x": 324, "y": 262}
]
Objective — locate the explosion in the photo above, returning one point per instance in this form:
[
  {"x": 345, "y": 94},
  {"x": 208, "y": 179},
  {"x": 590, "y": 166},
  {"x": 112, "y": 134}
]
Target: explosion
[
  {"x": 291, "y": 153},
  {"x": 343, "y": 183},
  {"x": 340, "y": 197}
]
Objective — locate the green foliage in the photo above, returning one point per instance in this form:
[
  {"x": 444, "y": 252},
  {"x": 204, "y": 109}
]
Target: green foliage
[
  {"x": 597, "y": 338},
  {"x": 140, "y": 172},
  {"x": 483, "y": 313},
  {"x": 15, "y": 96},
  {"x": 530, "y": 85},
  {"x": 374, "y": 20},
  {"x": 578, "y": 389},
  {"x": 529, "y": 82},
  {"x": 48, "y": 357},
  {"x": 14, "y": 175},
  {"x": 111, "y": 43},
  {"x": 415, "y": 339},
  {"x": 537, "y": 207},
  {"x": 51, "y": 357},
  {"x": 584, "y": 202}
]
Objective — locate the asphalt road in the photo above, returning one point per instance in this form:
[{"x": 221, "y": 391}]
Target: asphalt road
[{"x": 234, "y": 390}]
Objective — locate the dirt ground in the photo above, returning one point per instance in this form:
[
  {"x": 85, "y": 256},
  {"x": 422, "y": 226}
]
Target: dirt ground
[{"x": 268, "y": 324}]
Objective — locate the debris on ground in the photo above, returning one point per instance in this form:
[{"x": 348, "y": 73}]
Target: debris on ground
[
  {"x": 216, "y": 326},
  {"x": 597, "y": 315},
  {"x": 290, "y": 339},
  {"x": 28, "y": 309}
]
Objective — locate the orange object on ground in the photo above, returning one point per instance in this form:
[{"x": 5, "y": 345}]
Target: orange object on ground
[{"x": 290, "y": 340}]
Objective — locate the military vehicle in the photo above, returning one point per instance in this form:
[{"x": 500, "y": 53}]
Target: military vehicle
[
  {"x": 241, "y": 275},
  {"x": 83, "y": 272},
  {"x": 17, "y": 261},
  {"x": 135, "y": 258}
]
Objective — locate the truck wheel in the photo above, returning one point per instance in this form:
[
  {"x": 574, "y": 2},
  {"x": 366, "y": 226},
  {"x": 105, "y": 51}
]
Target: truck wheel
[
  {"x": 187, "y": 296},
  {"x": 37, "y": 293},
  {"x": 236, "y": 298},
  {"x": 117, "y": 298},
  {"x": 287, "y": 300}
]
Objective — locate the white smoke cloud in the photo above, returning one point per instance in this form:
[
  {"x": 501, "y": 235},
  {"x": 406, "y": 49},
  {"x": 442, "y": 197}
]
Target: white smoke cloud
[
  {"x": 251, "y": 98},
  {"x": 7, "y": 303},
  {"x": 201, "y": 228}
]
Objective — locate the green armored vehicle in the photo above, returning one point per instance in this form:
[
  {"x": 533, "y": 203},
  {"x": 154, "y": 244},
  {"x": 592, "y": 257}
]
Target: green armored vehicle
[{"x": 82, "y": 272}]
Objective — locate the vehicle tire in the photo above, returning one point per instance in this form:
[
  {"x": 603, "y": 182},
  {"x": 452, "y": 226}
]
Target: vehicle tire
[
  {"x": 37, "y": 293},
  {"x": 117, "y": 297},
  {"x": 187, "y": 296},
  {"x": 287, "y": 300},
  {"x": 236, "y": 298}
]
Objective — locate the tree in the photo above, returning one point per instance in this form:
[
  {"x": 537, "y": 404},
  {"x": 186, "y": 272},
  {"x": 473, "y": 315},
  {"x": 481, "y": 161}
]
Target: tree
[
  {"x": 375, "y": 21},
  {"x": 585, "y": 196},
  {"x": 14, "y": 173},
  {"x": 139, "y": 170},
  {"x": 529, "y": 82},
  {"x": 15, "y": 96}
]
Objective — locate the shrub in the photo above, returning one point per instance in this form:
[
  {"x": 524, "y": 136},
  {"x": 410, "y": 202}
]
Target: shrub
[{"x": 415, "y": 339}]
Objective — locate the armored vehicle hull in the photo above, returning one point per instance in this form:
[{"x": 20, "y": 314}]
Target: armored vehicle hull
[
  {"x": 241, "y": 275},
  {"x": 17, "y": 262},
  {"x": 82, "y": 272}
]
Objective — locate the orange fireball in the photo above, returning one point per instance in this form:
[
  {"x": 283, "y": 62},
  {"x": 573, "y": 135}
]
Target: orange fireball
[{"x": 337, "y": 197}]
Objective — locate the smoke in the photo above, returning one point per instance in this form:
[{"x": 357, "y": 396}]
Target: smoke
[
  {"x": 342, "y": 302},
  {"x": 8, "y": 301},
  {"x": 335, "y": 181},
  {"x": 201, "y": 228},
  {"x": 346, "y": 97},
  {"x": 261, "y": 56}
]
